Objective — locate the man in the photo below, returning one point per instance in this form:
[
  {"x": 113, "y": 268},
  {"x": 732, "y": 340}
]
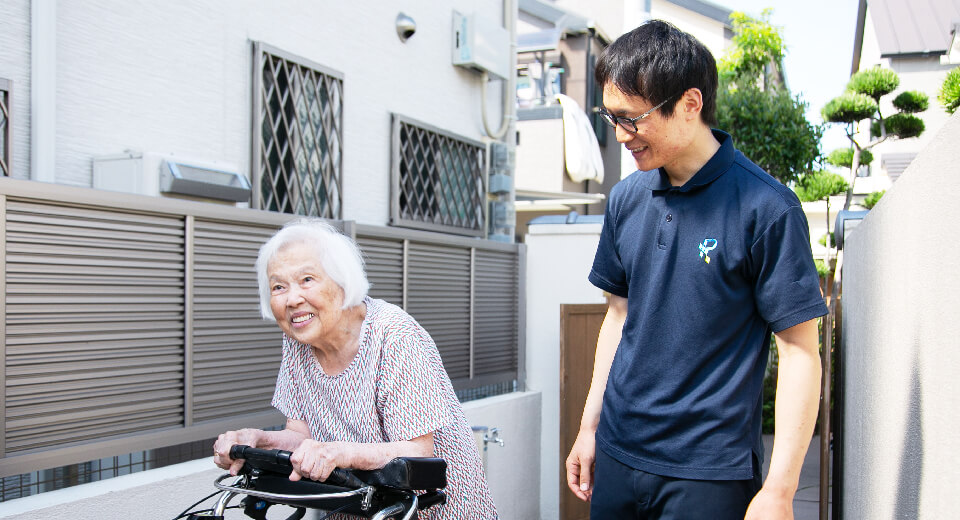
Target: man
[{"x": 704, "y": 254}]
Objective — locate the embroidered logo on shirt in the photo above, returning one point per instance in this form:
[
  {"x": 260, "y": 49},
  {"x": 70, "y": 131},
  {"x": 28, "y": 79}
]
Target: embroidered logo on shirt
[{"x": 709, "y": 244}]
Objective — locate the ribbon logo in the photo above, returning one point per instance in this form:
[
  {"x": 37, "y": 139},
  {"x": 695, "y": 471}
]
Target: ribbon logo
[{"x": 708, "y": 245}]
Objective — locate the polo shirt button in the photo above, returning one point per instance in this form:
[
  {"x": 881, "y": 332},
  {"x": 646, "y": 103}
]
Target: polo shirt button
[{"x": 669, "y": 217}]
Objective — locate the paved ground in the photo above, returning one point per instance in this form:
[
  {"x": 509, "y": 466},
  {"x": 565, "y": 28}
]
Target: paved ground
[{"x": 806, "y": 503}]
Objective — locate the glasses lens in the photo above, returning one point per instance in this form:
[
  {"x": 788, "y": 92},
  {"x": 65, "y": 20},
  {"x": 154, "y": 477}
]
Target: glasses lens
[{"x": 608, "y": 117}]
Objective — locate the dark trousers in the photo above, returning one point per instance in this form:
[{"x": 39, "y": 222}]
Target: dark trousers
[{"x": 621, "y": 492}]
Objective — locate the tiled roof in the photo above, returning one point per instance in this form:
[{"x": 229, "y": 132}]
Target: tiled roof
[{"x": 914, "y": 26}]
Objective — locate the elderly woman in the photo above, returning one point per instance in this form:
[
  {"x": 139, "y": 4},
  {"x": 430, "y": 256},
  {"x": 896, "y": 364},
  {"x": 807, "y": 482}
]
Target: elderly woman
[{"x": 360, "y": 382}]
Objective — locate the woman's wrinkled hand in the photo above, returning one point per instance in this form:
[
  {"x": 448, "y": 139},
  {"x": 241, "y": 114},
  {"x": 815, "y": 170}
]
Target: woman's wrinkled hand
[
  {"x": 221, "y": 448},
  {"x": 316, "y": 460}
]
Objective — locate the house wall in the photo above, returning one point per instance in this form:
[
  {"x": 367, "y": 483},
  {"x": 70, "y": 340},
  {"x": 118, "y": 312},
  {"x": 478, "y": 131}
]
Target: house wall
[
  {"x": 559, "y": 257},
  {"x": 925, "y": 74},
  {"x": 175, "y": 78},
  {"x": 901, "y": 454},
  {"x": 706, "y": 29},
  {"x": 15, "y": 66}
]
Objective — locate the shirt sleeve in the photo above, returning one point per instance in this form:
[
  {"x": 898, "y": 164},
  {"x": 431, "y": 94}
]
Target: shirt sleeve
[
  {"x": 410, "y": 389},
  {"x": 288, "y": 395},
  {"x": 787, "y": 288},
  {"x": 608, "y": 272}
]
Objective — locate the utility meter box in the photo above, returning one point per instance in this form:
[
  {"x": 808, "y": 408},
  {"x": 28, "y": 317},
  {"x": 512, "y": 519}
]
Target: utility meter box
[{"x": 480, "y": 43}]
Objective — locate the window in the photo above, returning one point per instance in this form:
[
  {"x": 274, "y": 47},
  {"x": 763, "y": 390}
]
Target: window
[
  {"x": 438, "y": 180},
  {"x": 297, "y": 135},
  {"x": 5, "y": 90}
]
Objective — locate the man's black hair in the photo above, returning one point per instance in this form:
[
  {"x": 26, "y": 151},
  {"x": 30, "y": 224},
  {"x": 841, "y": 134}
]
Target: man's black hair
[{"x": 657, "y": 61}]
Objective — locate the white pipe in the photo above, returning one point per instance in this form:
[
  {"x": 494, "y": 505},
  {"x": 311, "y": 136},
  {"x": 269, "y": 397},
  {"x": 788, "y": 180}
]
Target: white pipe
[
  {"x": 510, "y": 90},
  {"x": 43, "y": 90}
]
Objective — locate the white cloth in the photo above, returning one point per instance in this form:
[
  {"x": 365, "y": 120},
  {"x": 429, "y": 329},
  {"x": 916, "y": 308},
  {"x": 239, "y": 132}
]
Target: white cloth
[{"x": 581, "y": 149}]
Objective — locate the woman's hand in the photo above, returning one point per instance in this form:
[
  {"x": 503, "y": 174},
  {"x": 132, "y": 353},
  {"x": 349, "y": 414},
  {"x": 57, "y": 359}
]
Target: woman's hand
[
  {"x": 221, "y": 448},
  {"x": 315, "y": 460}
]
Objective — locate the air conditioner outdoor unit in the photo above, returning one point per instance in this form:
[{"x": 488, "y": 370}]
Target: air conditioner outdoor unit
[{"x": 154, "y": 174}]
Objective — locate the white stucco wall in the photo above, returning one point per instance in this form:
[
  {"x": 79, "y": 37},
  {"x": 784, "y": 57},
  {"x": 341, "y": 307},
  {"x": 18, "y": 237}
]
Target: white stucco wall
[
  {"x": 175, "y": 78},
  {"x": 900, "y": 306},
  {"x": 704, "y": 28},
  {"x": 15, "y": 66},
  {"x": 559, "y": 257}
]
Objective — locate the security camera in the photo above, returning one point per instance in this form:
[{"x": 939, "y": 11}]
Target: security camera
[{"x": 406, "y": 27}]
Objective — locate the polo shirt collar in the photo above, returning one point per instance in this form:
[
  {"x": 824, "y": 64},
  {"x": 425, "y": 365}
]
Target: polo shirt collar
[{"x": 715, "y": 167}]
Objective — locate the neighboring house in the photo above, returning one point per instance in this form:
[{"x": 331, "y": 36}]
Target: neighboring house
[
  {"x": 914, "y": 39},
  {"x": 129, "y": 316},
  {"x": 560, "y": 167}
]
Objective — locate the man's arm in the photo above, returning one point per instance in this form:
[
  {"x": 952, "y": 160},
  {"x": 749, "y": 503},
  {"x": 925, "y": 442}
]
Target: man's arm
[
  {"x": 797, "y": 401},
  {"x": 582, "y": 455}
]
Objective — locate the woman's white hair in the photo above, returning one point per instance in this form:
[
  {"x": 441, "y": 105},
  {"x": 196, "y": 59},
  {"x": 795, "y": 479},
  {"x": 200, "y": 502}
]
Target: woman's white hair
[{"x": 338, "y": 254}]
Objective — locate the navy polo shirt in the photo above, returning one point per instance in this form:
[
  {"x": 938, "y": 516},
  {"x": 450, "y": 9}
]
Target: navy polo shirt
[{"x": 709, "y": 269}]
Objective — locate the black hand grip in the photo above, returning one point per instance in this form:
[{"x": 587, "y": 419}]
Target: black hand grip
[
  {"x": 278, "y": 461},
  {"x": 344, "y": 478}
]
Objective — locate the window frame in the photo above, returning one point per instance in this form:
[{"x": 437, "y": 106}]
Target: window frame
[
  {"x": 256, "y": 149},
  {"x": 6, "y": 136},
  {"x": 397, "y": 218}
]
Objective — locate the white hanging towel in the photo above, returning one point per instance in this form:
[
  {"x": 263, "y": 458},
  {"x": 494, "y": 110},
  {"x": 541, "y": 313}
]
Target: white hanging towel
[{"x": 580, "y": 146}]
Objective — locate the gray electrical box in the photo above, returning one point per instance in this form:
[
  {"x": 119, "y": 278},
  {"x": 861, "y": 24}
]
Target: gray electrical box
[{"x": 482, "y": 44}]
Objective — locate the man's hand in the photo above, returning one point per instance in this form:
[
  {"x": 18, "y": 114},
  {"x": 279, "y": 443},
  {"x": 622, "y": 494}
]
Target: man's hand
[
  {"x": 315, "y": 460},
  {"x": 769, "y": 505},
  {"x": 580, "y": 465}
]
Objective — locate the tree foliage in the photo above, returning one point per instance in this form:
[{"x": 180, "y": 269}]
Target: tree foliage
[
  {"x": 843, "y": 157},
  {"x": 767, "y": 123},
  {"x": 861, "y": 102},
  {"x": 819, "y": 185},
  {"x": 872, "y": 199},
  {"x": 949, "y": 95}
]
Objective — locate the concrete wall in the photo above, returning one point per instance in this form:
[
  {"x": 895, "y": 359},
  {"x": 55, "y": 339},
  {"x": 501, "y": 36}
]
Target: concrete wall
[
  {"x": 175, "y": 78},
  {"x": 559, "y": 257},
  {"x": 901, "y": 298},
  {"x": 512, "y": 471}
]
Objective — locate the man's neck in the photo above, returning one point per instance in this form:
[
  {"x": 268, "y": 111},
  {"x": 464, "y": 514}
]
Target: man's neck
[{"x": 701, "y": 149}]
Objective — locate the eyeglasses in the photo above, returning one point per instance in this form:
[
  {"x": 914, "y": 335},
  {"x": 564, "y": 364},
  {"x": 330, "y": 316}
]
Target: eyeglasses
[{"x": 629, "y": 123}]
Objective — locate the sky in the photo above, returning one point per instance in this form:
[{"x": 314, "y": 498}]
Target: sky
[{"x": 819, "y": 38}]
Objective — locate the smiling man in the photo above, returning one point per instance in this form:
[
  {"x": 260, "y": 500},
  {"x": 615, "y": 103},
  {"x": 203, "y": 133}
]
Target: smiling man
[{"x": 704, "y": 255}]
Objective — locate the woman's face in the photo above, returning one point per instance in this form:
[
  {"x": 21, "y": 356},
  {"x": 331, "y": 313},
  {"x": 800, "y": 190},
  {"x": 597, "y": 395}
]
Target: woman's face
[{"x": 306, "y": 303}]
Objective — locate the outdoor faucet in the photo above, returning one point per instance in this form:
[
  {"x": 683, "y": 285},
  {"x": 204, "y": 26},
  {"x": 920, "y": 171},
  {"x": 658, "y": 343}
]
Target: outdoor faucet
[{"x": 493, "y": 435}]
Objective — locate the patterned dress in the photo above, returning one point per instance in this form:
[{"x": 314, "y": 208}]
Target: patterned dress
[{"x": 394, "y": 389}]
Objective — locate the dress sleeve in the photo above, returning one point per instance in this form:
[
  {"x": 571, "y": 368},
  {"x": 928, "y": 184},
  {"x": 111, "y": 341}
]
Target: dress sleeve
[
  {"x": 410, "y": 391},
  {"x": 288, "y": 395},
  {"x": 787, "y": 288}
]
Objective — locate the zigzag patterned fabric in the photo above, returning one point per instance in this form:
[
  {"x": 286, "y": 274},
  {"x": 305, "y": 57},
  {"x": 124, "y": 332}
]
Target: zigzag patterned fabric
[{"x": 394, "y": 389}]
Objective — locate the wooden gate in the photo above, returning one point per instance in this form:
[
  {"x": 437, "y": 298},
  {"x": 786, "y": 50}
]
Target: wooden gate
[{"x": 579, "y": 327}]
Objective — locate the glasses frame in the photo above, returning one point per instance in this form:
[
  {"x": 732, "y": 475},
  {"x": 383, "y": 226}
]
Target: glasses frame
[{"x": 613, "y": 120}]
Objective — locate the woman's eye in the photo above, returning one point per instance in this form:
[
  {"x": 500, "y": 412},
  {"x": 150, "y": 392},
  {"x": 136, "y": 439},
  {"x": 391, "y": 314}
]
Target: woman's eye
[
  {"x": 276, "y": 288},
  {"x": 307, "y": 279}
]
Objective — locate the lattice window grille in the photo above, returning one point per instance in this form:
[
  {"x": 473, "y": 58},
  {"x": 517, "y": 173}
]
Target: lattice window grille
[
  {"x": 4, "y": 127},
  {"x": 439, "y": 180},
  {"x": 300, "y": 138}
]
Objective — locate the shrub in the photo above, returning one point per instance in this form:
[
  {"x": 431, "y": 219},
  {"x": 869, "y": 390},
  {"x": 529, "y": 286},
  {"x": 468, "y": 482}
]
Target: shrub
[
  {"x": 820, "y": 184},
  {"x": 875, "y": 82},
  {"x": 849, "y": 107},
  {"x": 843, "y": 157},
  {"x": 911, "y": 101},
  {"x": 872, "y": 199},
  {"x": 949, "y": 95},
  {"x": 823, "y": 240},
  {"x": 904, "y": 125}
]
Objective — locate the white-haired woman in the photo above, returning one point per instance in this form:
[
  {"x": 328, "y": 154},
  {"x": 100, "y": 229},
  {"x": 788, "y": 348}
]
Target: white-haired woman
[{"x": 360, "y": 382}]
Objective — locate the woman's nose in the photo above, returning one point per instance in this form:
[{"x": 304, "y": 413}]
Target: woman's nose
[{"x": 294, "y": 296}]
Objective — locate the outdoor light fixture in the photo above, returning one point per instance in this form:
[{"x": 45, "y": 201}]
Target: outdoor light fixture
[{"x": 406, "y": 27}]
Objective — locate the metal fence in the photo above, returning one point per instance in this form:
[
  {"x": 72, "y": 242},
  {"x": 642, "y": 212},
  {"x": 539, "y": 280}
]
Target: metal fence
[{"x": 131, "y": 323}]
